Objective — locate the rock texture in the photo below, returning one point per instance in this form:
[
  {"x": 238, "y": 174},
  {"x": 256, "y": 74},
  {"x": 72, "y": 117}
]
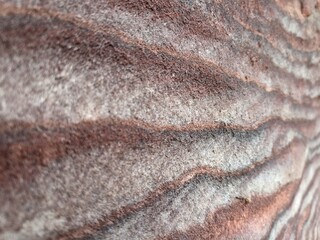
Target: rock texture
[{"x": 182, "y": 119}]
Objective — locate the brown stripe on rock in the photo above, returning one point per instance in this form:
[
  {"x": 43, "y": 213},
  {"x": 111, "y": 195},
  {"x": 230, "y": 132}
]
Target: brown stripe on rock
[
  {"x": 276, "y": 30},
  {"x": 291, "y": 226},
  {"x": 301, "y": 57},
  {"x": 243, "y": 219},
  {"x": 314, "y": 216},
  {"x": 192, "y": 21},
  {"x": 295, "y": 226},
  {"x": 315, "y": 222},
  {"x": 191, "y": 176},
  {"x": 316, "y": 198},
  {"x": 293, "y": 220},
  {"x": 195, "y": 77},
  {"x": 301, "y": 220},
  {"x": 83, "y": 41},
  {"x": 25, "y": 146},
  {"x": 22, "y": 149}
]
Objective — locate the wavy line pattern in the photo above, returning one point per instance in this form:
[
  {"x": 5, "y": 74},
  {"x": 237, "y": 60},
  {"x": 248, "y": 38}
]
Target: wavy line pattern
[{"x": 161, "y": 119}]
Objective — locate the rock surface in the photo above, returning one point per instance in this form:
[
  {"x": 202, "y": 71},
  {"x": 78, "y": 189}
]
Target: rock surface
[{"x": 183, "y": 119}]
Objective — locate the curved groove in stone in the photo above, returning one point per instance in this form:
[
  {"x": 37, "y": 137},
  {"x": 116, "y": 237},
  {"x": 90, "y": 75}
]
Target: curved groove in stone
[
  {"x": 205, "y": 63},
  {"x": 165, "y": 188}
]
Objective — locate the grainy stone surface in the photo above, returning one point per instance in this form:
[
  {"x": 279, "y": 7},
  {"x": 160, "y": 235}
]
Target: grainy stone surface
[{"x": 182, "y": 119}]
